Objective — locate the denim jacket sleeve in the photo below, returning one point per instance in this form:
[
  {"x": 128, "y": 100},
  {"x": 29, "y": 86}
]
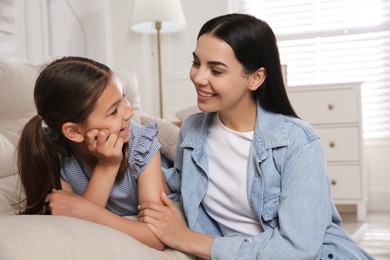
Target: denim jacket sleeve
[{"x": 295, "y": 224}]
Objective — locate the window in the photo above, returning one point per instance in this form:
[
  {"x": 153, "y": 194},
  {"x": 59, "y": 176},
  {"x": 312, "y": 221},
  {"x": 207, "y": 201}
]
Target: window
[{"x": 333, "y": 41}]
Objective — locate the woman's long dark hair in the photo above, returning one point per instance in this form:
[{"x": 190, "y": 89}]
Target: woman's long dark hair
[
  {"x": 254, "y": 45},
  {"x": 65, "y": 91}
]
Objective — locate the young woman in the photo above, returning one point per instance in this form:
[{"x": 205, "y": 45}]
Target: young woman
[
  {"x": 82, "y": 156},
  {"x": 251, "y": 175}
]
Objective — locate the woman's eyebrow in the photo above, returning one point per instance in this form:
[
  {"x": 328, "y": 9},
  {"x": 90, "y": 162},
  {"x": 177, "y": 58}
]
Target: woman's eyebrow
[{"x": 214, "y": 63}]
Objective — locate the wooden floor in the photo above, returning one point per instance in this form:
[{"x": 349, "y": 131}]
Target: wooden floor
[{"x": 373, "y": 234}]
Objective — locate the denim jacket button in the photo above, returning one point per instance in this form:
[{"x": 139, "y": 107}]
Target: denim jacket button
[{"x": 330, "y": 256}]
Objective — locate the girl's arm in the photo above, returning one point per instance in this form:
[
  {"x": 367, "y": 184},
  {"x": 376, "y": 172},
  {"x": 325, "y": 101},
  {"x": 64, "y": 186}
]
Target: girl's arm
[
  {"x": 150, "y": 185},
  {"x": 151, "y": 181},
  {"x": 107, "y": 149},
  {"x": 65, "y": 203}
]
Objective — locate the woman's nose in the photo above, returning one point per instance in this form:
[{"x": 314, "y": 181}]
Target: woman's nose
[{"x": 199, "y": 77}]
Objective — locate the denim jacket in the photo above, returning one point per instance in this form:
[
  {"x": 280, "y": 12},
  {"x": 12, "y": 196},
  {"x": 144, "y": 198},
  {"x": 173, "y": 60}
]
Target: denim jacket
[{"x": 288, "y": 190}]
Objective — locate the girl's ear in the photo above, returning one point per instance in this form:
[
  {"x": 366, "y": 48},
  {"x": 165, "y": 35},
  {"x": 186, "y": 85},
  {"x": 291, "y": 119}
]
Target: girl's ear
[
  {"x": 73, "y": 132},
  {"x": 257, "y": 78}
]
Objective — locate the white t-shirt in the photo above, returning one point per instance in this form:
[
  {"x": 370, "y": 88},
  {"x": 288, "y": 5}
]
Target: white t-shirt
[{"x": 226, "y": 200}]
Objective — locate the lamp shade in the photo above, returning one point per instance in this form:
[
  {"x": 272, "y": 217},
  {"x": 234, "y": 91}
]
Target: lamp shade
[{"x": 147, "y": 12}]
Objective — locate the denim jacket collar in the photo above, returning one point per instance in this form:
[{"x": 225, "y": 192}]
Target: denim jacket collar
[{"x": 270, "y": 132}]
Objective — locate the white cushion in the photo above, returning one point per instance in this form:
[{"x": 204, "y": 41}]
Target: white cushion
[
  {"x": 7, "y": 157},
  {"x": 57, "y": 237},
  {"x": 10, "y": 195},
  {"x": 17, "y": 81}
]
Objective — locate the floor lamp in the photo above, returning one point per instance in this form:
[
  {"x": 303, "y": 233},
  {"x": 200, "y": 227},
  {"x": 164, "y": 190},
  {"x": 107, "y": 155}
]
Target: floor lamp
[{"x": 157, "y": 16}]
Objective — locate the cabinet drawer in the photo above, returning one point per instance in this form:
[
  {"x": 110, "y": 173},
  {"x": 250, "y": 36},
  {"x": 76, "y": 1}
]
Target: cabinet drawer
[
  {"x": 340, "y": 144},
  {"x": 325, "y": 106},
  {"x": 345, "y": 181}
]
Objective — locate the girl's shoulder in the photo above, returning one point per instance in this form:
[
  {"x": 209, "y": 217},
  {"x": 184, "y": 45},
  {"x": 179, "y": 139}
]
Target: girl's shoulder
[
  {"x": 143, "y": 131},
  {"x": 143, "y": 145}
]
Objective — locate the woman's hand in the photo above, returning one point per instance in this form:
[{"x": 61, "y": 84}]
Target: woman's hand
[
  {"x": 168, "y": 224},
  {"x": 166, "y": 221},
  {"x": 105, "y": 147}
]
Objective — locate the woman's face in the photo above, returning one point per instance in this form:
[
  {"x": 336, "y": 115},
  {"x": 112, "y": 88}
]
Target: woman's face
[
  {"x": 219, "y": 78},
  {"x": 112, "y": 112}
]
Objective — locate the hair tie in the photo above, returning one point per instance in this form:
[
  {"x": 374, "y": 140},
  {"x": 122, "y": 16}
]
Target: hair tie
[{"x": 45, "y": 129}]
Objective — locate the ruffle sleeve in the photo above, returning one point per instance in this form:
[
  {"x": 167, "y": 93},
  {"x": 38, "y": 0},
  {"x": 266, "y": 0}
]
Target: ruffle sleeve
[{"x": 143, "y": 146}]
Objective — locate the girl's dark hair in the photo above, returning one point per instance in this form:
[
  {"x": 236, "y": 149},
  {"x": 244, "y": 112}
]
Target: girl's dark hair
[
  {"x": 254, "y": 45},
  {"x": 66, "y": 90}
]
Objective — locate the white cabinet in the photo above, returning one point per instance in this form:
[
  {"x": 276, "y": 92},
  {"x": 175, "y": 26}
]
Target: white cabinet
[{"x": 334, "y": 110}]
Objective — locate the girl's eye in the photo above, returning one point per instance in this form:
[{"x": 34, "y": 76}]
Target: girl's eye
[{"x": 114, "y": 112}]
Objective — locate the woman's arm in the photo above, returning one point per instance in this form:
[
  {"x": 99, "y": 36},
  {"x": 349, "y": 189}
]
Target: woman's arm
[{"x": 168, "y": 224}]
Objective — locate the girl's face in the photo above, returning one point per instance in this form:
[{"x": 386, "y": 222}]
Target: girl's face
[
  {"x": 112, "y": 112},
  {"x": 219, "y": 77}
]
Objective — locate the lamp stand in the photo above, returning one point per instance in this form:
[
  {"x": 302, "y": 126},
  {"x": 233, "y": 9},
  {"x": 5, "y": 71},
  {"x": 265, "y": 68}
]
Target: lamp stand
[{"x": 158, "y": 28}]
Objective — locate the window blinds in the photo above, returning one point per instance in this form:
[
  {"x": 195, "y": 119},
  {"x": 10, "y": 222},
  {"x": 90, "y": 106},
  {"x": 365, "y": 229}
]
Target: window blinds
[{"x": 334, "y": 41}]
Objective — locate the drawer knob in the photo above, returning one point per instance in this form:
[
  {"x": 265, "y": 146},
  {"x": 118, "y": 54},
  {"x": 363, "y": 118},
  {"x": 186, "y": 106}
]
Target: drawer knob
[
  {"x": 334, "y": 182},
  {"x": 332, "y": 144},
  {"x": 330, "y": 106}
]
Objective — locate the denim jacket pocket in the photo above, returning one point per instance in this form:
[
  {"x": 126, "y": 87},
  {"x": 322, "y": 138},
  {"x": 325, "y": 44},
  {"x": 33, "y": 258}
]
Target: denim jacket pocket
[{"x": 269, "y": 211}]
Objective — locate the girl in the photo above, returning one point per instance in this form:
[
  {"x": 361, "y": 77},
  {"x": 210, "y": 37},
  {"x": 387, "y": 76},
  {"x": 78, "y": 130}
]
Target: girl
[
  {"x": 250, "y": 173},
  {"x": 82, "y": 156}
]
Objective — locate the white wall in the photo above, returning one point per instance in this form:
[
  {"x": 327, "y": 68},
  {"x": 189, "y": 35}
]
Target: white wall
[
  {"x": 138, "y": 52},
  {"x": 100, "y": 30}
]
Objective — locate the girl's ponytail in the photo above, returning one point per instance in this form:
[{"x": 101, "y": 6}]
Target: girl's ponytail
[{"x": 39, "y": 164}]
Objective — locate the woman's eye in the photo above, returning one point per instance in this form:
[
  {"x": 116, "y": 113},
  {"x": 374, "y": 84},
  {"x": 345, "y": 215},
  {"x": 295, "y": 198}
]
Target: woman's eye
[
  {"x": 216, "y": 72},
  {"x": 195, "y": 63}
]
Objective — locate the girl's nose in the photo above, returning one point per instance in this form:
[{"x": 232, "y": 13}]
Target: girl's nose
[{"x": 128, "y": 111}]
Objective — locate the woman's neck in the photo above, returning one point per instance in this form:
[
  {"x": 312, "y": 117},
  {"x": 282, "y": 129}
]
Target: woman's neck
[{"x": 241, "y": 118}]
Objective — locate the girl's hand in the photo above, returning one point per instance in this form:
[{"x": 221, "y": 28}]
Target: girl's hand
[
  {"x": 105, "y": 147},
  {"x": 65, "y": 203},
  {"x": 166, "y": 221}
]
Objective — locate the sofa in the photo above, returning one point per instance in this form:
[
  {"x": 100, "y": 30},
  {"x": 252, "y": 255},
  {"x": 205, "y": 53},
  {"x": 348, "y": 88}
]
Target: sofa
[{"x": 56, "y": 237}]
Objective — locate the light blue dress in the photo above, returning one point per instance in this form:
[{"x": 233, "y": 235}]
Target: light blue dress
[{"x": 123, "y": 200}]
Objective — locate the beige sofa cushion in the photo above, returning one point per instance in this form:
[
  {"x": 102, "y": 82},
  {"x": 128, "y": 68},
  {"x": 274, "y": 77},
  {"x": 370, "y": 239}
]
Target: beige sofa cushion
[
  {"x": 56, "y": 237},
  {"x": 16, "y": 87},
  {"x": 7, "y": 157}
]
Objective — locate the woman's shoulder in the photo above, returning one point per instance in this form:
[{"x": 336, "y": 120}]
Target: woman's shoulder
[{"x": 296, "y": 126}]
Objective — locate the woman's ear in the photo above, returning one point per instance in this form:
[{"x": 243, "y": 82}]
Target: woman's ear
[
  {"x": 257, "y": 78},
  {"x": 73, "y": 132}
]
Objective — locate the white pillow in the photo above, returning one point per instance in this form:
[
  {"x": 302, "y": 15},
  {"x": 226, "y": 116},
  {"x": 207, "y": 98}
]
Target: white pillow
[
  {"x": 57, "y": 237},
  {"x": 16, "y": 87},
  {"x": 168, "y": 134},
  {"x": 7, "y": 157}
]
